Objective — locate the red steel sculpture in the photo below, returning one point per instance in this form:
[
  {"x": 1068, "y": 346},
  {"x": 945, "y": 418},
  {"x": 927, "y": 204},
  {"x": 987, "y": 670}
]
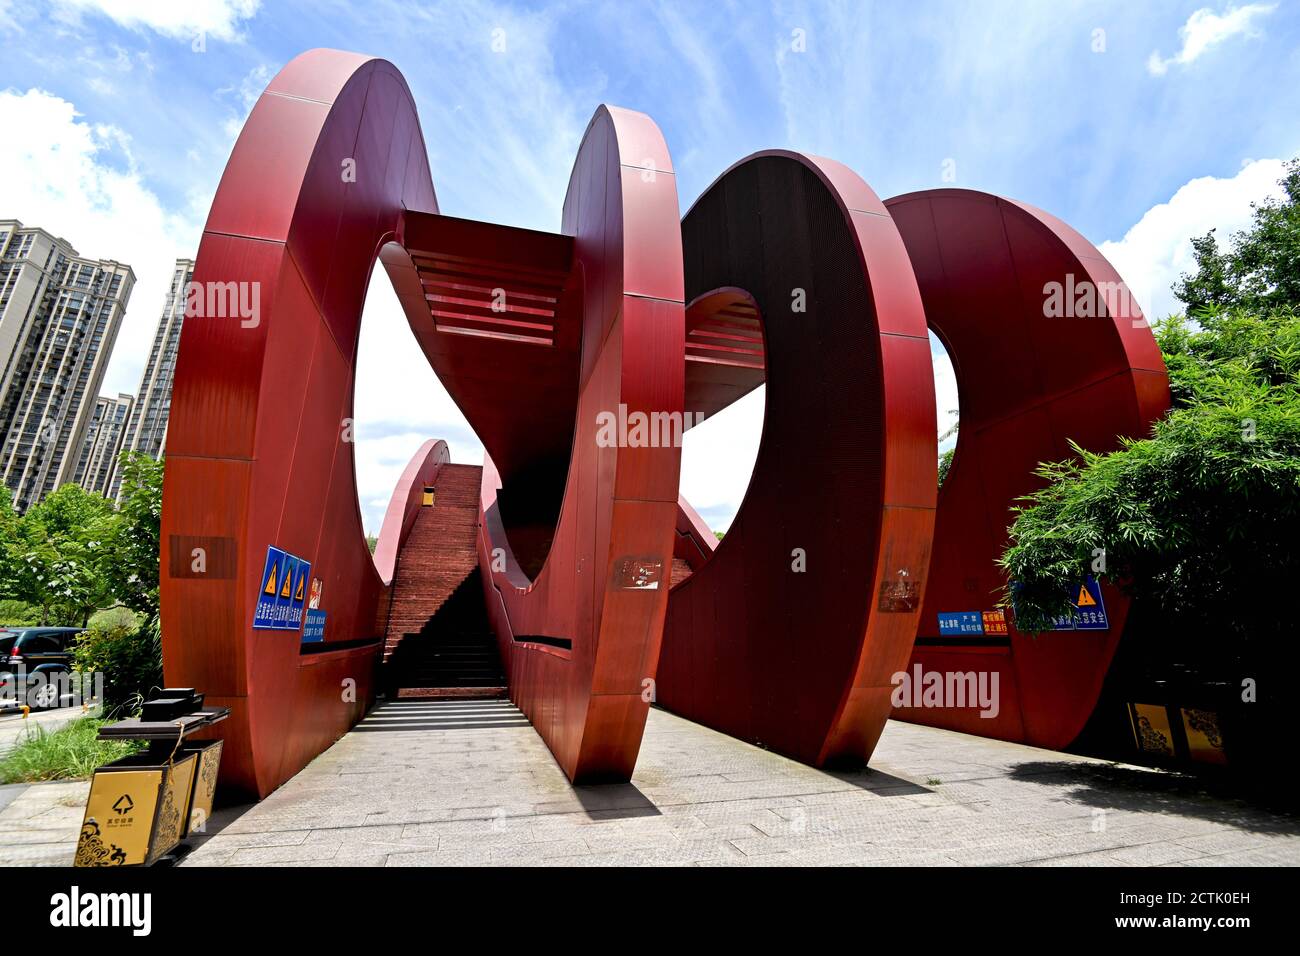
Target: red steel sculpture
[
  {"x": 258, "y": 446},
  {"x": 329, "y": 174},
  {"x": 576, "y": 536},
  {"x": 1029, "y": 381},
  {"x": 789, "y": 632}
]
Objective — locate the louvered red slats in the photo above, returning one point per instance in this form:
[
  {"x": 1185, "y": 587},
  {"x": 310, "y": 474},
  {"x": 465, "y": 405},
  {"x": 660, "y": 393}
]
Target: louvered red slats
[
  {"x": 731, "y": 336},
  {"x": 492, "y": 297}
]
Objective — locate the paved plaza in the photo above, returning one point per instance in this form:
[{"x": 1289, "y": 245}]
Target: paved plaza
[{"x": 471, "y": 783}]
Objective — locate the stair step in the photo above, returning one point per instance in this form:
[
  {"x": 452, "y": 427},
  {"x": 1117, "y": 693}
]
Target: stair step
[
  {"x": 438, "y": 556},
  {"x": 453, "y": 693},
  {"x": 439, "y": 641}
]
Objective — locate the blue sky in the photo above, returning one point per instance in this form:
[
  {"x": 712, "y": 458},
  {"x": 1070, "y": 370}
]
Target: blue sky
[{"x": 1139, "y": 124}]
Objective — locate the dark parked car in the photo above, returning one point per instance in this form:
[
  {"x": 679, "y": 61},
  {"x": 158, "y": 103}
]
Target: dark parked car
[{"x": 28, "y": 651}]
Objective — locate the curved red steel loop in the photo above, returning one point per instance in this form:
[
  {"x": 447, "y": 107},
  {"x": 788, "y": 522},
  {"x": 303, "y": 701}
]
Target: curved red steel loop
[
  {"x": 1028, "y": 383},
  {"x": 577, "y": 533},
  {"x": 790, "y": 633},
  {"x": 330, "y": 172},
  {"x": 581, "y": 639},
  {"x": 259, "y": 448}
]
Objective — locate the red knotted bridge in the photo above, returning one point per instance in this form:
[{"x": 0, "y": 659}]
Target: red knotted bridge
[{"x": 566, "y": 571}]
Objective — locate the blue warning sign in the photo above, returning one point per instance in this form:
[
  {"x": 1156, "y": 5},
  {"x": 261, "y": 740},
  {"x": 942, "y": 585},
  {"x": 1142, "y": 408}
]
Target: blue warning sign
[
  {"x": 961, "y": 623},
  {"x": 264, "y": 614},
  {"x": 1088, "y": 610},
  {"x": 314, "y": 630},
  {"x": 282, "y": 593}
]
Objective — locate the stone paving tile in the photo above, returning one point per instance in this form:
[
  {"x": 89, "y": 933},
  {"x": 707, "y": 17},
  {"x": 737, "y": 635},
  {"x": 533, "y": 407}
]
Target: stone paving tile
[
  {"x": 1260, "y": 856},
  {"x": 41, "y": 854},
  {"x": 1152, "y": 854},
  {"x": 317, "y": 853},
  {"x": 494, "y": 796},
  {"x": 223, "y": 854},
  {"x": 1083, "y": 859},
  {"x": 39, "y": 825}
]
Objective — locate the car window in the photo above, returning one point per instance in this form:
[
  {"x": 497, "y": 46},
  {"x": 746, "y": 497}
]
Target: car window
[
  {"x": 7, "y": 643},
  {"x": 41, "y": 644}
]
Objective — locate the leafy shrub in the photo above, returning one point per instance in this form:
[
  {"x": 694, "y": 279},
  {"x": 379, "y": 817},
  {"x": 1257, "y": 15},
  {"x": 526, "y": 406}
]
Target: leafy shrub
[
  {"x": 1200, "y": 518},
  {"x": 18, "y": 613},
  {"x": 116, "y": 617},
  {"x": 129, "y": 657}
]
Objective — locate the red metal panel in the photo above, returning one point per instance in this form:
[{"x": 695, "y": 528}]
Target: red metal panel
[
  {"x": 801, "y": 661},
  {"x": 1028, "y": 382},
  {"x": 620, "y": 503},
  {"x": 257, "y": 443}
]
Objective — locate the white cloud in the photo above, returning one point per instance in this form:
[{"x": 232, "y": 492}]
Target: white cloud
[
  {"x": 1205, "y": 29},
  {"x": 219, "y": 19},
  {"x": 246, "y": 94},
  {"x": 78, "y": 181},
  {"x": 1158, "y": 249}
]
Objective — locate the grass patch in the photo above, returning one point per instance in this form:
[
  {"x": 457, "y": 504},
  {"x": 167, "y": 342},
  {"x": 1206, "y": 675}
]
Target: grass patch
[{"x": 70, "y": 753}]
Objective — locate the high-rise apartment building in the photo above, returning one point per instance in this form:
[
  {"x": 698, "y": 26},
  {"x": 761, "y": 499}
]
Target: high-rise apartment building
[
  {"x": 146, "y": 432},
  {"x": 59, "y": 318},
  {"x": 97, "y": 465}
]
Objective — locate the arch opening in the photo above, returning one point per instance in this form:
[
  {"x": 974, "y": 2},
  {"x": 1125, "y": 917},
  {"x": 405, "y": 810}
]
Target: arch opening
[
  {"x": 398, "y": 404},
  {"x": 947, "y": 406},
  {"x": 1031, "y": 381},
  {"x": 726, "y": 399}
]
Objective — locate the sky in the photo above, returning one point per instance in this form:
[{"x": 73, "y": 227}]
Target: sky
[{"x": 1141, "y": 125}]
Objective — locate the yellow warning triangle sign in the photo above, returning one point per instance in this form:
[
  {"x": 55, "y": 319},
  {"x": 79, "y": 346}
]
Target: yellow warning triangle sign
[
  {"x": 270, "y": 583},
  {"x": 297, "y": 594},
  {"x": 284, "y": 588},
  {"x": 1085, "y": 599}
]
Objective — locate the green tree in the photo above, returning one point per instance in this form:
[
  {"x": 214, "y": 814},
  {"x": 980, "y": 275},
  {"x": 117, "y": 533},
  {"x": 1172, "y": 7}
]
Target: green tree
[
  {"x": 59, "y": 558},
  {"x": 135, "y": 540},
  {"x": 945, "y": 464},
  {"x": 10, "y": 542},
  {"x": 1198, "y": 520},
  {"x": 1261, "y": 268}
]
